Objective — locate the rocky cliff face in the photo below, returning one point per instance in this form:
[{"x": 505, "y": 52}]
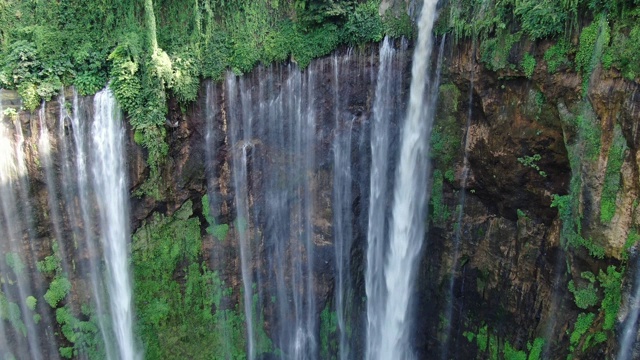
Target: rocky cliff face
[
  {"x": 527, "y": 140},
  {"x": 516, "y": 256}
]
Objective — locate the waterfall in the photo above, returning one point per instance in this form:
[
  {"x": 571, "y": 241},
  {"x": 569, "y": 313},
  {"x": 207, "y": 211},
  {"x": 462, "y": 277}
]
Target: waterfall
[
  {"x": 272, "y": 139},
  {"x": 81, "y": 148},
  {"x": 7, "y": 171},
  {"x": 110, "y": 187},
  {"x": 342, "y": 210},
  {"x": 44, "y": 150},
  {"x": 16, "y": 279},
  {"x": 629, "y": 333},
  {"x": 240, "y": 144},
  {"x": 306, "y": 136},
  {"x": 407, "y": 229},
  {"x": 374, "y": 282}
]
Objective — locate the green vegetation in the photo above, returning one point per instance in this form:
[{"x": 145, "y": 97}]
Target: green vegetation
[
  {"x": 611, "y": 35},
  {"x": 10, "y": 311},
  {"x": 495, "y": 51},
  {"x": 59, "y": 288},
  {"x": 446, "y": 145},
  {"x": 584, "y": 296},
  {"x": 582, "y": 325},
  {"x": 612, "y": 176},
  {"x": 623, "y": 51},
  {"x": 328, "y": 334},
  {"x": 632, "y": 239},
  {"x": 598, "y": 295},
  {"x": 571, "y": 227},
  {"x": 528, "y": 65},
  {"x": 535, "y": 349},
  {"x": 220, "y": 231},
  {"x": 593, "y": 40},
  {"x": 15, "y": 263},
  {"x": 51, "y": 263},
  {"x": 446, "y": 135},
  {"x": 154, "y": 49},
  {"x": 31, "y": 302},
  {"x": 179, "y": 301},
  {"x": 80, "y": 331},
  {"x": 11, "y": 113},
  {"x": 84, "y": 335},
  {"x": 440, "y": 210},
  {"x": 541, "y": 19},
  {"x": 557, "y": 56},
  {"x": 589, "y": 133},
  {"x": 592, "y": 328},
  {"x": 585, "y": 147},
  {"x": 262, "y": 342},
  {"x": 492, "y": 347},
  {"x": 611, "y": 283},
  {"x": 531, "y": 161},
  {"x": 588, "y": 54}
]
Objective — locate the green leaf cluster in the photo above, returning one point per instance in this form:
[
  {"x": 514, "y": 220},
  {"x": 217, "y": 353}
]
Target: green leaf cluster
[
  {"x": 541, "y": 19},
  {"x": 495, "y": 51},
  {"x": 556, "y": 56},
  {"x": 15, "y": 263},
  {"x": 51, "y": 263},
  {"x": 59, "y": 288},
  {"x": 491, "y": 347},
  {"x": 595, "y": 327},
  {"x": 588, "y": 52},
  {"x": 10, "y": 311},
  {"x": 532, "y": 162},
  {"x": 31, "y": 302},
  {"x": 440, "y": 210},
  {"x": 328, "y": 333},
  {"x": 624, "y": 51},
  {"x": 611, "y": 283},
  {"x": 446, "y": 135},
  {"x": 611, "y": 36},
  {"x": 580, "y": 328},
  {"x": 179, "y": 301},
  {"x": 528, "y": 65},
  {"x": 82, "y": 333},
  {"x": 612, "y": 176},
  {"x": 220, "y": 231},
  {"x": 364, "y": 24},
  {"x": 584, "y": 296}
]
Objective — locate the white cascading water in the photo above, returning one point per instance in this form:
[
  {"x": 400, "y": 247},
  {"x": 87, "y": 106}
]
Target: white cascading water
[
  {"x": 630, "y": 324},
  {"x": 76, "y": 174},
  {"x": 306, "y": 130},
  {"x": 110, "y": 186},
  {"x": 272, "y": 139},
  {"x": 14, "y": 285},
  {"x": 407, "y": 229},
  {"x": 44, "y": 152},
  {"x": 342, "y": 212},
  {"x": 16, "y": 247},
  {"x": 241, "y": 140},
  {"x": 374, "y": 282}
]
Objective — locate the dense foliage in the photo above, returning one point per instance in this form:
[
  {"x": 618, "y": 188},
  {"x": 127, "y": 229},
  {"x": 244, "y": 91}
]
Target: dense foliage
[
  {"x": 180, "y": 302},
  {"x": 155, "y": 49},
  {"x": 585, "y": 31}
]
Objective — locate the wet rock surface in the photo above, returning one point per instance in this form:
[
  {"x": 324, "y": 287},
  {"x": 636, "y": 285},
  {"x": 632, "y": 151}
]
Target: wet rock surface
[{"x": 512, "y": 271}]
